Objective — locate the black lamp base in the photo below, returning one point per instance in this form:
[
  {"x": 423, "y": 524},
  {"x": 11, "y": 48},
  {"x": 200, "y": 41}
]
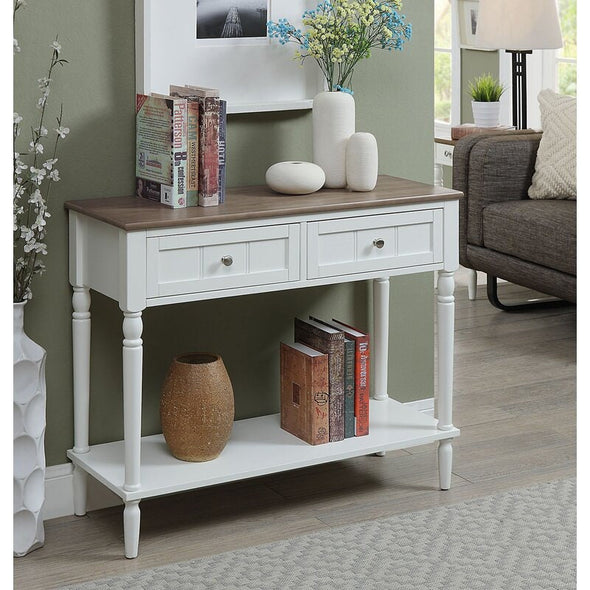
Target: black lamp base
[{"x": 519, "y": 88}]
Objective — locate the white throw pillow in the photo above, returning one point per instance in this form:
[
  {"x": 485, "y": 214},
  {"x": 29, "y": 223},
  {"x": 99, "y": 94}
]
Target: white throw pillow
[{"x": 555, "y": 168}]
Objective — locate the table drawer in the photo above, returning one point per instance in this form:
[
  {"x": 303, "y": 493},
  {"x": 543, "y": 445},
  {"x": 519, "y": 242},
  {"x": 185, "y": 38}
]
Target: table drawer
[
  {"x": 380, "y": 242},
  {"x": 444, "y": 154},
  {"x": 196, "y": 262}
]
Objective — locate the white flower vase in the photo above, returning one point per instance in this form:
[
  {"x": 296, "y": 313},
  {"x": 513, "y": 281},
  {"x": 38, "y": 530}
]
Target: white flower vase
[
  {"x": 362, "y": 162},
  {"x": 333, "y": 124},
  {"x": 486, "y": 114},
  {"x": 29, "y": 433}
]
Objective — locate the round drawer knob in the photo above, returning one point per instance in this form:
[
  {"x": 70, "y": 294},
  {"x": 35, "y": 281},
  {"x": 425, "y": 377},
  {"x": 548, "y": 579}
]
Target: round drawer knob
[
  {"x": 379, "y": 243},
  {"x": 227, "y": 260}
]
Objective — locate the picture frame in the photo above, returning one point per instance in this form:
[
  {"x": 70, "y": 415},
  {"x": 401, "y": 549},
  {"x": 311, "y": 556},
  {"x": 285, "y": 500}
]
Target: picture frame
[{"x": 253, "y": 73}]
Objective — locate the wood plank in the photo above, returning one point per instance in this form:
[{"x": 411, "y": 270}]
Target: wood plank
[{"x": 257, "y": 202}]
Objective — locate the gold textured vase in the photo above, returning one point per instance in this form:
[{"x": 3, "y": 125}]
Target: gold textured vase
[{"x": 197, "y": 406}]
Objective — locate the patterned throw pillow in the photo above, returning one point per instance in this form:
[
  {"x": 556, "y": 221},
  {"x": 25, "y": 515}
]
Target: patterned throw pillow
[{"x": 555, "y": 168}]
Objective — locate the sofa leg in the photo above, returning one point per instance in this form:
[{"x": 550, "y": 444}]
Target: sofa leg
[{"x": 492, "y": 283}]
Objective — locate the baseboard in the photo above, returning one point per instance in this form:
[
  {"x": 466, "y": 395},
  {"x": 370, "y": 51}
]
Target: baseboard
[{"x": 59, "y": 489}]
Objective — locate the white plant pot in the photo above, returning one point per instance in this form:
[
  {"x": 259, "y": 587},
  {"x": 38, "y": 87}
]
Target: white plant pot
[
  {"x": 29, "y": 433},
  {"x": 362, "y": 162},
  {"x": 333, "y": 124},
  {"x": 486, "y": 114}
]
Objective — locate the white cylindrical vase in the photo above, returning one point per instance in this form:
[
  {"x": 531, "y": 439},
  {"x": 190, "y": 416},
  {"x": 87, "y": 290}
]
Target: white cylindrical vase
[
  {"x": 362, "y": 162},
  {"x": 333, "y": 124},
  {"x": 29, "y": 400},
  {"x": 486, "y": 114}
]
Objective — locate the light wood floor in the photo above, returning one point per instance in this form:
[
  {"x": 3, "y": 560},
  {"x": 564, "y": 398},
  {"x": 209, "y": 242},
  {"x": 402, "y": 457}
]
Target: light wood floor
[{"x": 515, "y": 398}]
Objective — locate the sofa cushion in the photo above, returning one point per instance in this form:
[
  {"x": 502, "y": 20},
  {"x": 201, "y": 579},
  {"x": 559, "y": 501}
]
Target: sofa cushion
[
  {"x": 539, "y": 231},
  {"x": 555, "y": 167}
]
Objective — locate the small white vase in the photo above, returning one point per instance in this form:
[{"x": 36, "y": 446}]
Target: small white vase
[
  {"x": 486, "y": 114},
  {"x": 333, "y": 124},
  {"x": 362, "y": 162},
  {"x": 295, "y": 178},
  {"x": 29, "y": 399}
]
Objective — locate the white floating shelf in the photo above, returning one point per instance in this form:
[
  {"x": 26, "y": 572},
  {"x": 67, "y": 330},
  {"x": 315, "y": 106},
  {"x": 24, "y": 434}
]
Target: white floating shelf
[{"x": 258, "y": 446}]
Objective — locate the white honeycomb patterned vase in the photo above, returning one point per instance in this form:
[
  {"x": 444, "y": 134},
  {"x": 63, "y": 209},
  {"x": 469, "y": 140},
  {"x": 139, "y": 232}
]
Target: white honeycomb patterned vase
[{"x": 29, "y": 399}]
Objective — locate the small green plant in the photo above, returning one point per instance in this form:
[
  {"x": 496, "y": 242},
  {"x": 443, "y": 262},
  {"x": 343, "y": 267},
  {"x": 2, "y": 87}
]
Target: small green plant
[{"x": 485, "y": 88}]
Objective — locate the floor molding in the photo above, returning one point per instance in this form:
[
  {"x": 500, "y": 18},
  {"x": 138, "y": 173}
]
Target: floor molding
[{"x": 59, "y": 490}]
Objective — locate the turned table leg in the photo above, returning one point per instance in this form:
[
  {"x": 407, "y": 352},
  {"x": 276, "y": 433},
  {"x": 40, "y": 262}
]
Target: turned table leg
[
  {"x": 81, "y": 377},
  {"x": 132, "y": 385},
  {"x": 445, "y": 346}
]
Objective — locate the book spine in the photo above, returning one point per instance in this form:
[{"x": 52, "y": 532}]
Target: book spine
[
  {"x": 334, "y": 347},
  {"x": 320, "y": 406},
  {"x": 222, "y": 152},
  {"x": 192, "y": 192},
  {"x": 361, "y": 398},
  {"x": 349, "y": 378},
  {"x": 209, "y": 152},
  {"x": 179, "y": 154}
]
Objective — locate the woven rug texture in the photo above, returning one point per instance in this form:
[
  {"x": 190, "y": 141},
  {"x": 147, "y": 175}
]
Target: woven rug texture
[{"x": 524, "y": 539}]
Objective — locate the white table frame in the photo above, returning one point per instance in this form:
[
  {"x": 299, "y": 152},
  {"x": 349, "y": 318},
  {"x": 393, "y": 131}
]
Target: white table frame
[{"x": 113, "y": 261}]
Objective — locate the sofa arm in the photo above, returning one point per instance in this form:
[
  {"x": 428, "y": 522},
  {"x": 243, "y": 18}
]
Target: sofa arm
[{"x": 488, "y": 169}]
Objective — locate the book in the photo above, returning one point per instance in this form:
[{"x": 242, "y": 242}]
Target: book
[
  {"x": 349, "y": 380},
  {"x": 192, "y": 191},
  {"x": 468, "y": 128},
  {"x": 161, "y": 149},
  {"x": 331, "y": 342},
  {"x": 304, "y": 393},
  {"x": 361, "y": 381},
  {"x": 209, "y": 105},
  {"x": 222, "y": 153}
]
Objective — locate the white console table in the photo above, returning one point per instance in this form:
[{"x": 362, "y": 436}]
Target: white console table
[{"x": 143, "y": 254}]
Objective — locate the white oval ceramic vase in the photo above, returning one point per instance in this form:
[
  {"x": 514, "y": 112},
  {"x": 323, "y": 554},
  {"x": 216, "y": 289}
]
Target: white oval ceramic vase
[
  {"x": 486, "y": 114},
  {"x": 333, "y": 124},
  {"x": 295, "y": 178},
  {"x": 29, "y": 433},
  {"x": 362, "y": 162}
]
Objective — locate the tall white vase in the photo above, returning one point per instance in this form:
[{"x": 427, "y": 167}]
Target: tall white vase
[
  {"x": 29, "y": 433},
  {"x": 333, "y": 124}
]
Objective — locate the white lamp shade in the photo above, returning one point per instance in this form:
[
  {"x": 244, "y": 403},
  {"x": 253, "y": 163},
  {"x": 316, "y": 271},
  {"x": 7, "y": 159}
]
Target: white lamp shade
[{"x": 519, "y": 25}]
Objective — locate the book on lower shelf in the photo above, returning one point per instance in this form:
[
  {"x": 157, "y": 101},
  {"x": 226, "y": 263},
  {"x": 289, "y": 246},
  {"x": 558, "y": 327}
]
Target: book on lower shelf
[
  {"x": 331, "y": 342},
  {"x": 460, "y": 131},
  {"x": 161, "y": 149},
  {"x": 304, "y": 393},
  {"x": 222, "y": 150},
  {"x": 361, "y": 375}
]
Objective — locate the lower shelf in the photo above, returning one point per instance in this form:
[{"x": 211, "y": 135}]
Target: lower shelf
[{"x": 258, "y": 446}]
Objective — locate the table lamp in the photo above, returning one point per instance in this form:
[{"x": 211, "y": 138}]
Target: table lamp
[{"x": 518, "y": 26}]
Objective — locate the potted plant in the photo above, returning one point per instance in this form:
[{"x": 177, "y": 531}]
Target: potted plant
[{"x": 485, "y": 93}]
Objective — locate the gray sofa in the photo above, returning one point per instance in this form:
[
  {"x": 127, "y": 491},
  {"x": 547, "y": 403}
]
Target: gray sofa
[{"x": 505, "y": 234}]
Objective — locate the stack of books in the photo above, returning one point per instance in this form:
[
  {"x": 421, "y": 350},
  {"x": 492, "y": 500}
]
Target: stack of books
[
  {"x": 180, "y": 146},
  {"x": 468, "y": 128},
  {"x": 325, "y": 382}
]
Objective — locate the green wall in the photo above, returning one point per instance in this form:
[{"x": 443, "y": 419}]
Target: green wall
[{"x": 393, "y": 95}]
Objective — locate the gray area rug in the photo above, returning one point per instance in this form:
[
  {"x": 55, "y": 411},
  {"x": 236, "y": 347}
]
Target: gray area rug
[{"x": 522, "y": 539}]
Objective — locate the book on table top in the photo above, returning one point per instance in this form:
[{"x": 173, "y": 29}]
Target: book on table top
[
  {"x": 331, "y": 342},
  {"x": 161, "y": 148},
  {"x": 349, "y": 381},
  {"x": 464, "y": 129},
  {"x": 209, "y": 106},
  {"x": 192, "y": 182},
  {"x": 304, "y": 393},
  {"x": 361, "y": 381},
  {"x": 222, "y": 152}
]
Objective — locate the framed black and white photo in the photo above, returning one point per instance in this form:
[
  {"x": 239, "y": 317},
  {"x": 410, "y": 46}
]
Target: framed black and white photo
[
  {"x": 231, "y": 19},
  {"x": 468, "y": 20},
  {"x": 224, "y": 44}
]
